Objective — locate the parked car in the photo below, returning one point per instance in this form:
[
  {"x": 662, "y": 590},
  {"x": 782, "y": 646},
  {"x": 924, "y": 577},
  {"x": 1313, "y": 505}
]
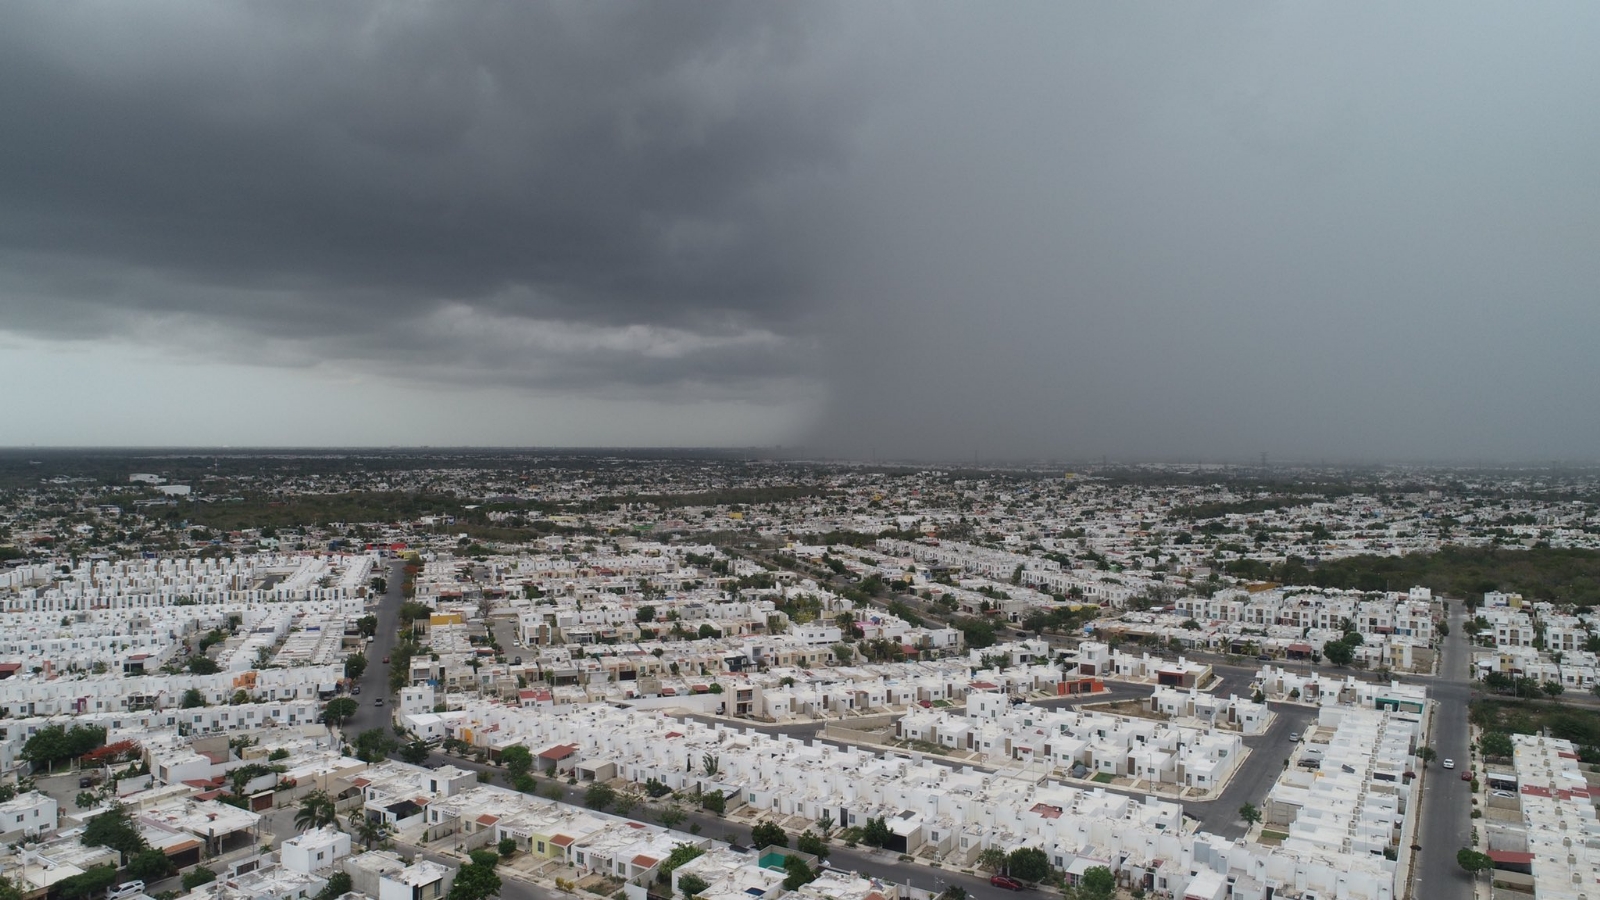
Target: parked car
[
  {"x": 1506, "y": 795},
  {"x": 356, "y": 689},
  {"x": 1449, "y": 764},
  {"x": 85, "y": 781},
  {"x": 1466, "y": 774},
  {"x": 1005, "y": 881},
  {"x": 125, "y": 889}
]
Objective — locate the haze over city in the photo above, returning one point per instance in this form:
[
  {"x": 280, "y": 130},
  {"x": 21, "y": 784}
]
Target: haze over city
[{"x": 1323, "y": 231}]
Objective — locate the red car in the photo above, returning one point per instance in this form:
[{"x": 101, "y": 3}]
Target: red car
[
  {"x": 1466, "y": 774},
  {"x": 1005, "y": 881},
  {"x": 386, "y": 660}
]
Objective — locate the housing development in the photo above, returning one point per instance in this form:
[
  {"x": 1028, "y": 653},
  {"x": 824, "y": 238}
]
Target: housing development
[{"x": 407, "y": 676}]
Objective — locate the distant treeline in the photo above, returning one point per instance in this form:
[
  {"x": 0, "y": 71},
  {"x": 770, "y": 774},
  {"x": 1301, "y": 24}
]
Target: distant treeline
[
  {"x": 1540, "y": 573},
  {"x": 317, "y": 509}
]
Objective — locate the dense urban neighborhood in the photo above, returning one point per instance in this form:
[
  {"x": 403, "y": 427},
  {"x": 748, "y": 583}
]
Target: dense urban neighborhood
[{"x": 431, "y": 674}]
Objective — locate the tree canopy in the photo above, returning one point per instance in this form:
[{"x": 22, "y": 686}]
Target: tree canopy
[
  {"x": 475, "y": 882},
  {"x": 1028, "y": 864}
]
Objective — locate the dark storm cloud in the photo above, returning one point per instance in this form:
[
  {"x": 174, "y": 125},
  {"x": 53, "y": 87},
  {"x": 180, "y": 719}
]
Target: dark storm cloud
[
  {"x": 1325, "y": 230},
  {"x": 331, "y": 168}
]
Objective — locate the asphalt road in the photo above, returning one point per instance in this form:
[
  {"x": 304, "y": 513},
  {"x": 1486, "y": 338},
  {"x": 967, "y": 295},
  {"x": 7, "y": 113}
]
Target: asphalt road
[
  {"x": 375, "y": 680},
  {"x": 1446, "y": 799}
]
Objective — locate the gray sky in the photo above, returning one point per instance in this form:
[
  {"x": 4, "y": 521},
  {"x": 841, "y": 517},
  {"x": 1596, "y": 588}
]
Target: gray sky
[{"x": 1334, "y": 230}]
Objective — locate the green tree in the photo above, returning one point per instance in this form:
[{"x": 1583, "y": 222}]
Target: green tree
[
  {"x": 518, "y": 760},
  {"x": 507, "y": 846},
  {"x": 415, "y": 752},
  {"x": 355, "y": 665},
  {"x": 475, "y": 882},
  {"x": 1427, "y": 755},
  {"x": 150, "y": 865},
  {"x": 875, "y": 833},
  {"x": 672, "y": 817},
  {"x": 338, "y": 885},
  {"x": 645, "y": 614},
  {"x": 1552, "y": 689},
  {"x": 1250, "y": 814},
  {"x": 1496, "y": 744},
  {"x": 488, "y": 858},
  {"x": 316, "y": 811},
  {"x": 1338, "y": 652},
  {"x": 1028, "y": 864},
  {"x": 192, "y": 699},
  {"x": 1097, "y": 883},
  {"x": 690, "y": 885},
  {"x": 340, "y": 710},
  {"x": 813, "y": 844},
  {"x": 114, "y": 828},
  {"x": 203, "y": 665},
  {"x": 825, "y": 826},
  {"x": 714, "y": 801},
  {"x": 599, "y": 796},
  {"x": 370, "y": 830},
  {"x": 1473, "y": 861},
  {"x": 198, "y": 876},
  {"x": 88, "y": 884},
  {"x": 373, "y": 745},
  {"x": 710, "y": 764},
  {"x": 798, "y": 874},
  {"x": 767, "y": 834},
  {"x": 681, "y": 853},
  {"x": 992, "y": 858},
  {"x": 9, "y": 889},
  {"x": 368, "y": 626}
]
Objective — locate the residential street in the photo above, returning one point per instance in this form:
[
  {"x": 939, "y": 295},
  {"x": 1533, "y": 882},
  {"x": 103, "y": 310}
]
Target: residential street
[
  {"x": 1446, "y": 799},
  {"x": 375, "y": 680}
]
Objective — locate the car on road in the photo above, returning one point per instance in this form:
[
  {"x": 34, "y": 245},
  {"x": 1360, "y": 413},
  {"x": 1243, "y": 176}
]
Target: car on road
[
  {"x": 1466, "y": 774},
  {"x": 386, "y": 660},
  {"x": 1005, "y": 881},
  {"x": 378, "y": 702},
  {"x": 85, "y": 782},
  {"x": 356, "y": 689},
  {"x": 1449, "y": 764},
  {"x": 125, "y": 889}
]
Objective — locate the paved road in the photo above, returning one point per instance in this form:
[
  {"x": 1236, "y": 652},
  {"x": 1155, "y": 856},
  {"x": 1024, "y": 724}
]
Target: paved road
[
  {"x": 375, "y": 681},
  {"x": 1446, "y": 799}
]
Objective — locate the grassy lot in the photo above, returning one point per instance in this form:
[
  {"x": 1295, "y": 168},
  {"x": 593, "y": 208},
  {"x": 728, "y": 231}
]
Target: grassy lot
[{"x": 1579, "y": 725}]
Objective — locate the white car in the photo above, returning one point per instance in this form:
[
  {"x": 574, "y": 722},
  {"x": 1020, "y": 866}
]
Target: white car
[
  {"x": 125, "y": 889},
  {"x": 1449, "y": 764}
]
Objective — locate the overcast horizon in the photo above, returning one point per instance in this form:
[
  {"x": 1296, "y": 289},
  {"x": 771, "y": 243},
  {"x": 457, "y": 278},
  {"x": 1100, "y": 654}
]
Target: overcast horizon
[{"x": 1325, "y": 231}]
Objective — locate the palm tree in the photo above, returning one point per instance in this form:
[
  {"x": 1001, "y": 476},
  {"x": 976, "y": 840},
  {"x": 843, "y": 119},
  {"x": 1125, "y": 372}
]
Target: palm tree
[
  {"x": 316, "y": 811},
  {"x": 370, "y": 830}
]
